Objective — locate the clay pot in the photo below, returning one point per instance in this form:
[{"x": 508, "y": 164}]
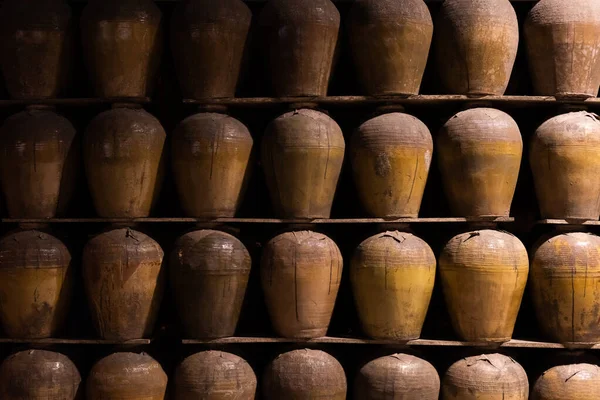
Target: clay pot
[
  {"x": 35, "y": 284},
  {"x": 211, "y": 164},
  {"x": 564, "y": 47},
  {"x": 485, "y": 377},
  {"x": 122, "y": 43},
  {"x": 214, "y": 375},
  {"x": 300, "y": 38},
  {"x": 39, "y": 163},
  {"x": 568, "y": 382},
  {"x": 128, "y": 376},
  {"x": 390, "y": 41},
  {"x": 123, "y": 150},
  {"x": 392, "y": 276},
  {"x": 39, "y": 374},
  {"x": 300, "y": 274},
  {"x": 479, "y": 152},
  {"x": 397, "y": 376},
  {"x": 565, "y": 287},
  {"x": 566, "y": 167},
  {"x": 391, "y": 155},
  {"x": 302, "y": 156},
  {"x": 209, "y": 275},
  {"x": 208, "y": 39},
  {"x": 36, "y": 47},
  {"x": 483, "y": 276},
  {"x": 123, "y": 282},
  {"x": 476, "y": 45},
  {"x": 304, "y": 374}
]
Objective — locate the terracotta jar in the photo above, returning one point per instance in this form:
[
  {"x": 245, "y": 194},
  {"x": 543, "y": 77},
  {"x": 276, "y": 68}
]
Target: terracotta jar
[
  {"x": 214, "y": 375},
  {"x": 300, "y": 274},
  {"x": 39, "y": 374},
  {"x": 485, "y": 377},
  {"x": 208, "y": 39},
  {"x": 36, "y": 45},
  {"x": 123, "y": 282},
  {"x": 392, "y": 275},
  {"x": 302, "y": 156},
  {"x": 128, "y": 376},
  {"x": 209, "y": 274},
  {"x": 122, "y": 43},
  {"x": 35, "y": 284},
  {"x": 397, "y": 376},
  {"x": 566, "y": 168},
  {"x": 390, "y": 42},
  {"x": 565, "y": 287},
  {"x": 563, "y": 45},
  {"x": 568, "y": 382},
  {"x": 39, "y": 163},
  {"x": 479, "y": 152},
  {"x": 300, "y": 38},
  {"x": 476, "y": 45},
  {"x": 211, "y": 164},
  {"x": 391, "y": 155},
  {"x": 123, "y": 151},
  {"x": 304, "y": 374},
  {"x": 483, "y": 276}
]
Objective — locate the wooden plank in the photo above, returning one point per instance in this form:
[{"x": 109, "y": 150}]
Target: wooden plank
[
  {"x": 76, "y": 341},
  {"x": 382, "y": 100},
  {"x": 256, "y": 220},
  {"x": 419, "y": 342},
  {"x": 74, "y": 102},
  {"x": 568, "y": 222}
]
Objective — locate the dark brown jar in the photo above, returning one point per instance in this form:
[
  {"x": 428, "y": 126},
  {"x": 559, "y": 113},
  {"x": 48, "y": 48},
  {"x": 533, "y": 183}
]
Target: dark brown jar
[
  {"x": 209, "y": 274},
  {"x": 39, "y": 374},
  {"x": 122, "y": 43},
  {"x": 39, "y": 163},
  {"x": 123, "y": 153},
  {"x": 208, "y": 39},
  {"x": 36, "y": 46},
  {"x": 122, "y": 274}
]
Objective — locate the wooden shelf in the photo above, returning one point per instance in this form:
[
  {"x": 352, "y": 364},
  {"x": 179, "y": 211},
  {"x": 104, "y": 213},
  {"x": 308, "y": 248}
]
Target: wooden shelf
[
  {"x": 74, "y": 102},
  {"x": 259, "y": 220},
  {"x": 419, "y": 342},
  {"x": 568, "y": 222},
  {"x": 423, "y": 100},
  {"x": 134, "y": 342}
]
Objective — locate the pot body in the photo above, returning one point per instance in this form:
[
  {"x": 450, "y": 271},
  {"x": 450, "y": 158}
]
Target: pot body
[
  {"x": 123, "y": 153},
  {"x": 564, "y": 47},
  {"x": 565, "y": 166},
  {"x": 123, "y": 283},
  {"x": 300, "y": 37},
  {"x": 36, "y": 47},
  {"x": 476, "y": 45},
  {"x": 211, "y": 156},
  {"x": 479, "y": 153},
  {"x": 214, "y": 375},
  {"x": 485, "y": 377},
  {"x": 300, "y": 275},
  {"x": 565, "y": 287},
  {"x": 39, "y": 374},
  {"x": 392, "y": 275},
  {"x": 390, "y": 42},
  {"x": 122, "y": 44},
  {"x": 391, "y": 155},
  {"x": 302, "y": 156},
  {"x": 304, "y": 374},
  {"x": 209, "y": 274},
  {"x": 397, "y": 376},
  {"x": 128, "y": 376},
  {"x": 568, "y": 382},
  {"x": 39, "y": 163},
  {"x": 208, "y": 39},
  {"x": 483, "y": 277},
  {"x": 35, "y": 284}
]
